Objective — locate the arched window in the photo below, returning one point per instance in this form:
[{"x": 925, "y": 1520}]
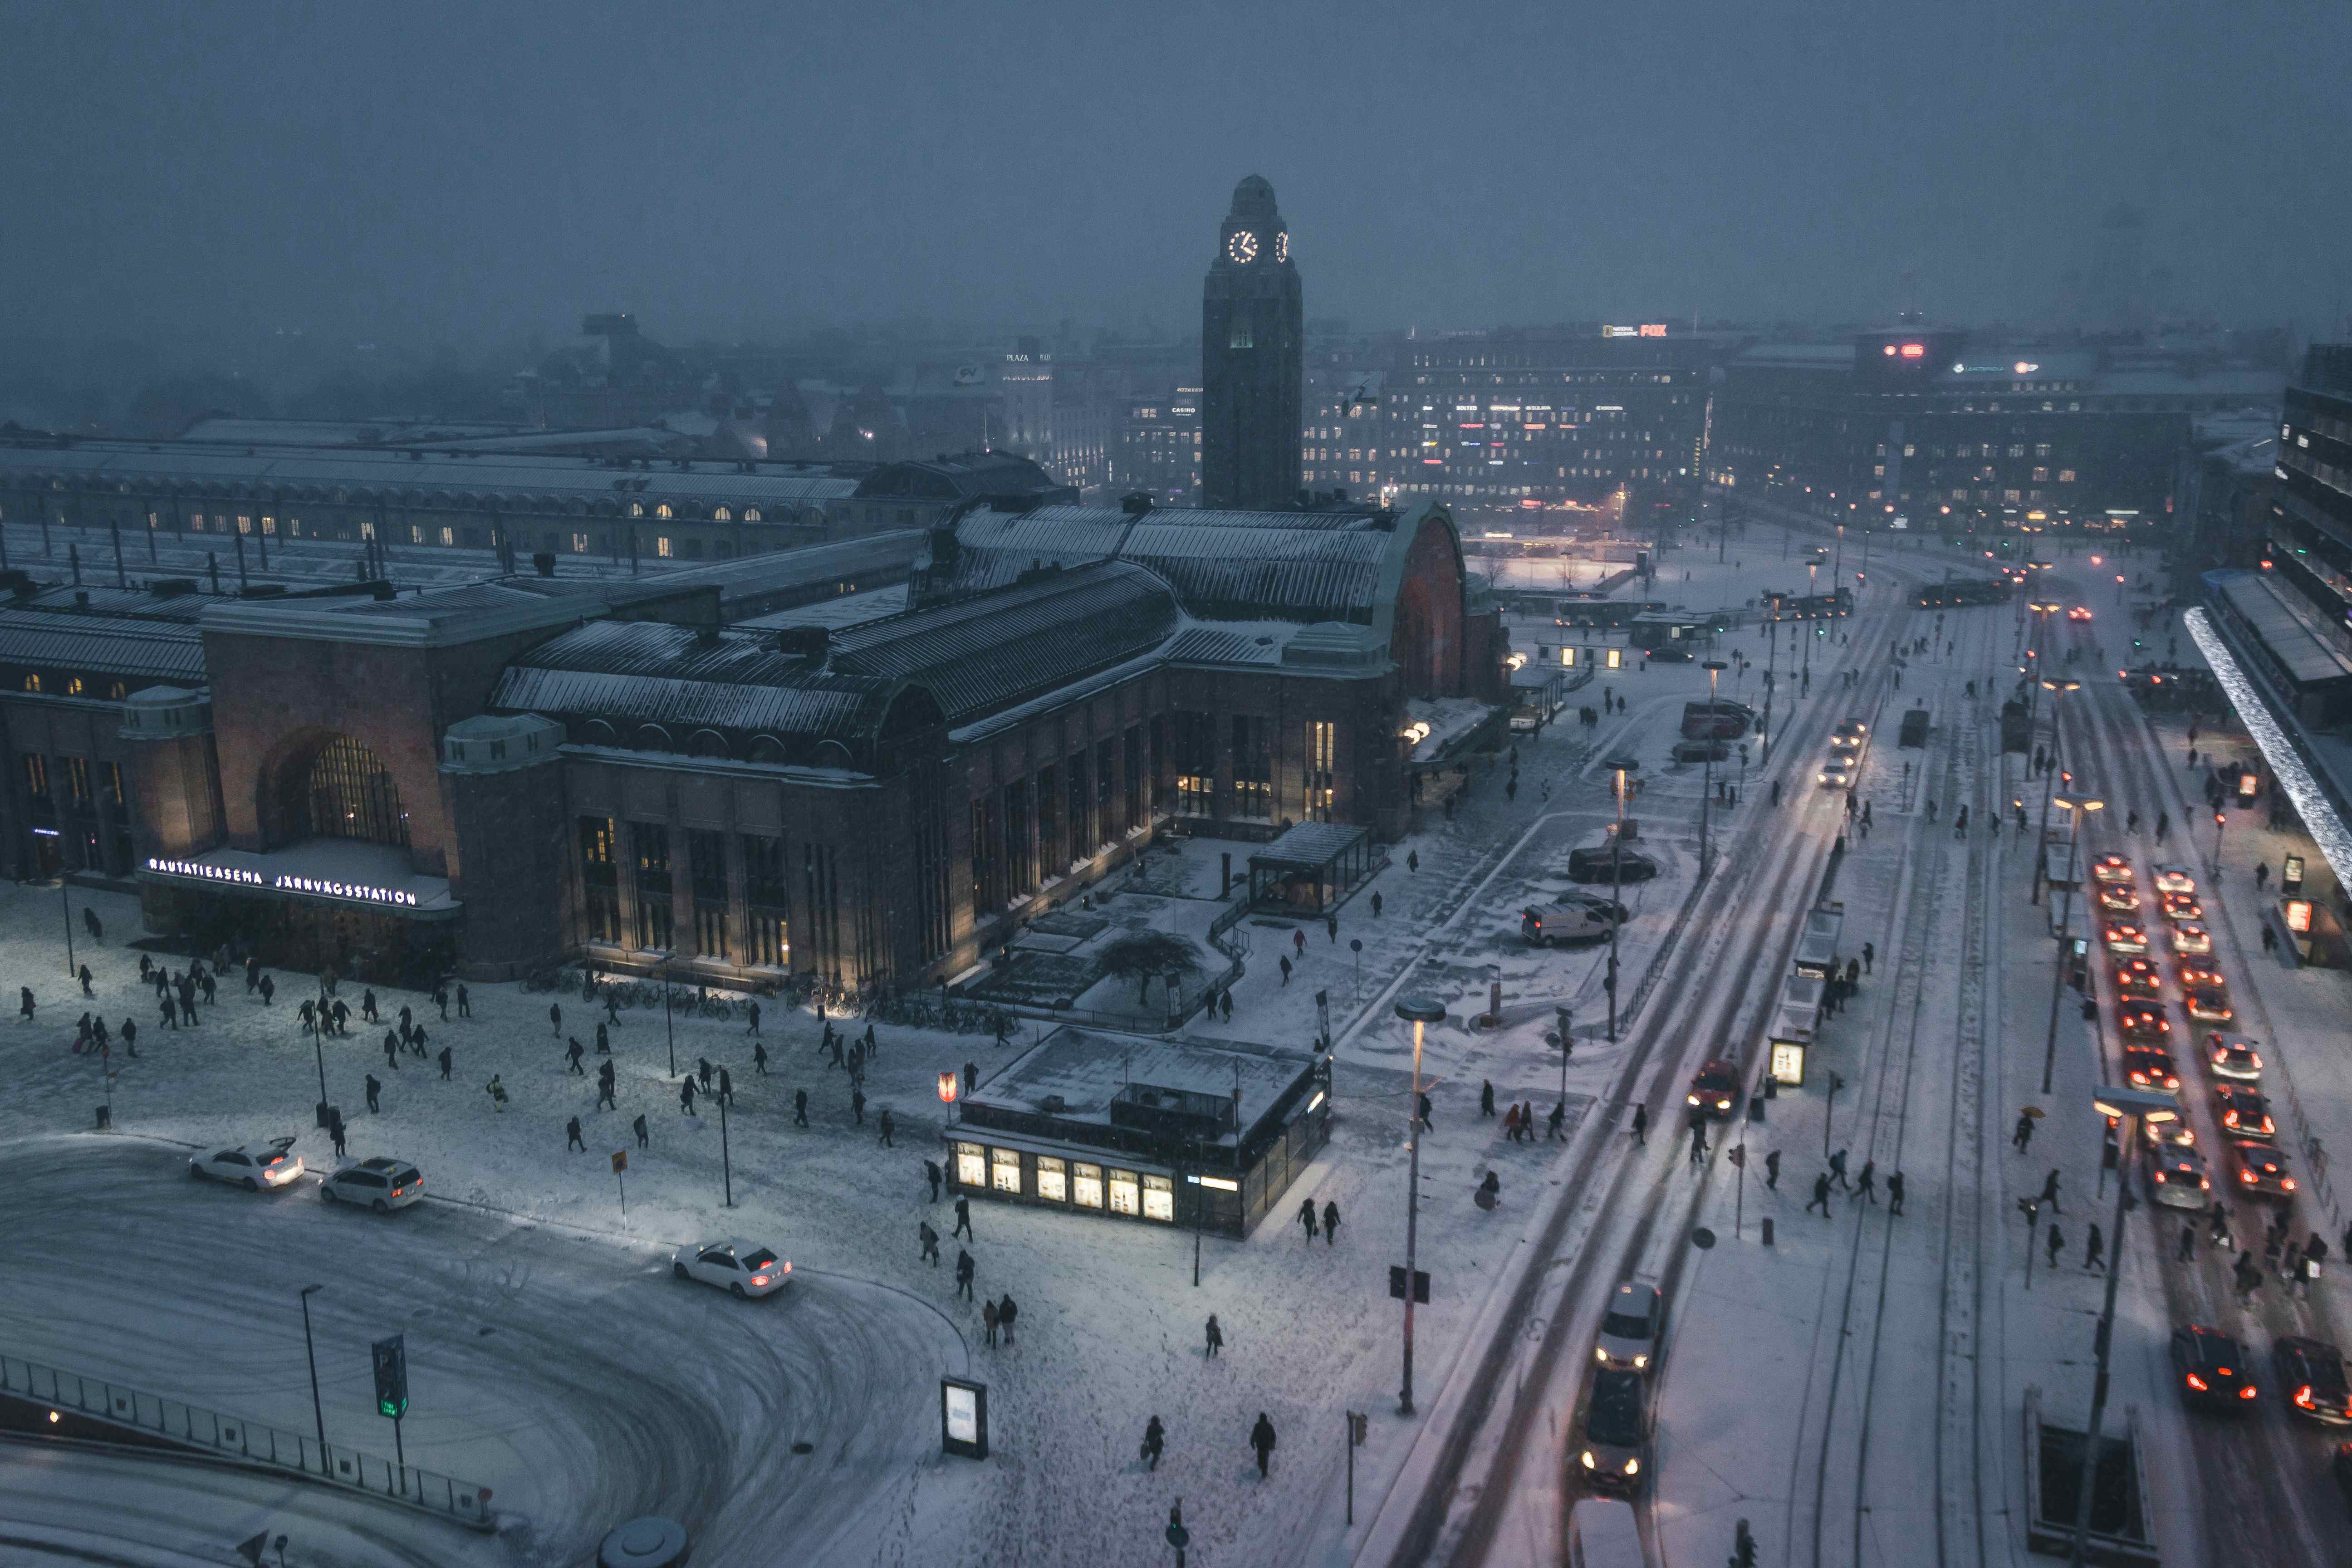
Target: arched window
[
  {"x": 349, "y": 794},
  {"x": 721, "y": 514},
  {"x": 662, "y": 511},
  {"x": 32, "y": 683},
  {"x": 599, "y": 733},
  {"x": 751, "y": 514},
  {"x": 707, "y": 743}
]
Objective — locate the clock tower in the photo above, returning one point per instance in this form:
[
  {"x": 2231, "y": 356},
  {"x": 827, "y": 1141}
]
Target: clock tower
[{"x": 1251, "y": 360}]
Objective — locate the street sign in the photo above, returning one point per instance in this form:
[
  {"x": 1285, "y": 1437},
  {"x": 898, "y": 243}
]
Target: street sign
[
  {"x": 390, "y": 1376},
  {"x": 620, "y": 1161},
  {"x": 1419, "y": 1284},
  {"x": 963, "y": 1417}
]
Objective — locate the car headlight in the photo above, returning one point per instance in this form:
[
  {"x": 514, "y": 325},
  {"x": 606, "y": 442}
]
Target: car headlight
[
  {"x": 1640, "y": 1362},
  {"x": 1692, "y": 1098},
  {"x": 1632, "y": 1466},
  {"x": 1588, "y": 1459},
  {"x": 1600, "y": 1354},
  {"x": 1723, "y": 1105}
]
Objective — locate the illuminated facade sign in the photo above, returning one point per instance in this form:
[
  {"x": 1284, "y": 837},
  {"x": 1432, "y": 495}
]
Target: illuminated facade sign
[
  {"x": 357, "y": 892},
  {"x": 1646, "y": 330}
]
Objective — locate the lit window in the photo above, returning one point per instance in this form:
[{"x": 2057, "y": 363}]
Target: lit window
[
  {"x": 637, "y": 509},
  {"x": 1052, "y": 1180},
  {"x": 662, "y": 545},
  {"x": 73, "y": 685},
  {"x": 579, "y": 545},
  {"x": 1240, "y": 340},
  {"x": 663, "y": 511},
  {"x": 721, "y": 514},
  {"x": 1125, "y": 1198},
  {"x": 751, "y": 514},
  {"x": 1005, "y": 1170},
  {"x": 1159, "y": 1199},
  {"x": 1085, "y": 1181},
  {"x": 449, "y": 536},
  {"x": 32, "y": 683},
  {"x": 971, "y": 1168},
  {"x": 2065, "y": 476}
]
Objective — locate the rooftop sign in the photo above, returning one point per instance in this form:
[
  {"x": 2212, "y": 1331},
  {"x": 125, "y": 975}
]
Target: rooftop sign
[{"x": 357, "y": 892}]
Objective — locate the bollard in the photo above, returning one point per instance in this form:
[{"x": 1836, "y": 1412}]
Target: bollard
[
  {"x": 105, "y": 1116},
  {"x": 1768, "y": 1230}
]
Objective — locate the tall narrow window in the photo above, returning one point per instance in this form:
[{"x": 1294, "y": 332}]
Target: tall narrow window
[
  {"x": 1321, "y": 749},
  {"x": 349, "y": 794},
  {"x": 1193, "y": 742},
  {"x": 767, "y": 889},
  {"x": 600, "y": 881},
  {"x": 655, "y": 929},
  {"x": 706, "y": 856},
  {"x": 1253, "y": 769},
  {"x": 36, "y": 776}
]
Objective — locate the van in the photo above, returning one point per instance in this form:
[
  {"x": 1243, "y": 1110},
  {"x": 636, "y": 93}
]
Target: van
[{"x": 1601, "y": 1534}]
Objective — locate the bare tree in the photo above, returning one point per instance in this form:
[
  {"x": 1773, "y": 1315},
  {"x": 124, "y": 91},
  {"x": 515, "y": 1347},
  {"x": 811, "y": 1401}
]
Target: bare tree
[{"x": 1147, "y": 954}]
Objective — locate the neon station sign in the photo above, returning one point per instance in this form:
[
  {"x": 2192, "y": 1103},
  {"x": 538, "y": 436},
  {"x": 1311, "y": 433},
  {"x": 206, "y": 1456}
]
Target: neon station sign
[{"x": 356, "y": 892}]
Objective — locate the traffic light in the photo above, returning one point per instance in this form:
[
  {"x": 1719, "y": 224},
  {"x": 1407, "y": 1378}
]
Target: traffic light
[
  {"x": 390, "y": 1376},
  {"x": 1743, "y": 1547}
]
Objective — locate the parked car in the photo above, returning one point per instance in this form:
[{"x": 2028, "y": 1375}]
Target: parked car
[
  {"x": 2176, "y": 1178},
  {"x": 1568, "y": 919},
  {"x": 2213, "y": 1368},
  {"x": 2311, "y": 1375},
  {"x": 379, "y": 1184},
  {"x": 1591, "y": 865},
  {"x": 739, "y": 1267},
  {"x": 2245, "y": 1112},
  {"x": 2260, "y": 1170},
  {"x": 1633, "y": 1327},
  {"x": 1700, "y": 752},
  {"x": 252, "y": 1166},
  {"x": 1616, "y": 1430}
]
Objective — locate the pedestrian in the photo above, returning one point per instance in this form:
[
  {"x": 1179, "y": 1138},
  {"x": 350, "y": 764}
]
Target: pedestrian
[
  {"x": 1007, "y": 1310},
  {"x": 496, "y": 1090},
  {"x": 465, "y": 1003},
  {"x": 375, "y": 1087},
  {"x": 391, "y": 1053},
  {"x": 2290, "y": 1268},
  {"x": 2261, "y": 877},
  {"x": 1331, "y": 924},
  {"x": 1866, "y": 1186},
  {"x": 963, "y": 1273},
  {"x": 888, "y": 1128},
  {"x": 1426, "y": 1124},
  {"x": 1285, "y": 961},
  {"x": 760, "y": 1058},
  {"x": 572, "y": 1137},
  {"x": 1551, "y": 1122},
  {"x": 1869, "y": 957},
  {"x": 2056, "y": 1243},
  {"x": 604, "y": 1087},
  {"x": 1225, "y": 1003},
  {"x": 1376, "y": 906},
  {"x": 2220, "y": 1227},
  {"x": 554, "y": 1017},
  {"x": 800, "y": 1108},
  {"x": 702, "y": 1071},
  {"x": 1486, "y": 1097},
  {"x": 931, "y": 1242},
  {"x": 686, "y": 1095},
  {"x": 25, "y": 1003},
  {"x": 644, "y": 1135},
  {"x": 727, "y": 1091},
  {"x": 2050, "y": 1191},
  {"x": 931, "y": 1173},
  {"x": 1698, "y": 1140},
  {"x": 1837, "y": 1171},
  {"x": 1331, "y": 1223},
  {"x": 1772, "y": 1172},
  {"x": 130, "y": 1037},
  {"x": 1306, "y": 1219},
  {"x": 1261, "y": 1443},
  {"x": 441, "y": 1000},
  {"x": 335, "y": 1132},
  {"x": 2163, "y": 824},
  {"x": 2187, "y": 1251},
  {"x": 857, "y": 1105},
  {"x": 1412, "y": 860},
  {"x": 2247, "y": 1277},
  {"x": 2094, "y": 1251},
  {"x": 268, "y": 989},
  {"x": 1216, "y": 1335},
  {"x": 963, "y": 1220},
  {"x": 1821, "y": 1195},
  {"x": 988, "y": 1317},
  {"x": 85, "y": 982},
  {"x": 1298, "y": 942},
  {"x": 2270, "y": 938},
  {"x": 572, "y": 1054},
  {"x": 755, "y": 1018},
  {"x": 1895, "y": 1194},
  {"x": 1155, "y": 1437},
  {"x": 604, "y": 1040},
  {"x": 2023, "y": 1135},
  {"x": 1642, "y": 1125}
]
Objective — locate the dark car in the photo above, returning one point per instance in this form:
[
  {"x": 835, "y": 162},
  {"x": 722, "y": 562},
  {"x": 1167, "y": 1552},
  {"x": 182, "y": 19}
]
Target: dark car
[
  {"x": 2212, "y": 1367},
  {"x": 1616, "y": 1430},
  {"x": 2137, "y": 977},
  {"x": 1714, "y": 1089},
  {"x": 2259, "y": 1170},
  {"x": 2139, "y": 1021},
  {"x": 2311, "y": 1377},
  {"x": 2245, "y": 1112},
  {"x": 2208, "y": 1006},
  {"x": 2150, "y": 1067},
  {"x": 1592, "y": 865},
  {"x": 1700, "y": 752}
]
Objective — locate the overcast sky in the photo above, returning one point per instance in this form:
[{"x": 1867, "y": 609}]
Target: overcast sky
[{"x": 453, "y": 171}]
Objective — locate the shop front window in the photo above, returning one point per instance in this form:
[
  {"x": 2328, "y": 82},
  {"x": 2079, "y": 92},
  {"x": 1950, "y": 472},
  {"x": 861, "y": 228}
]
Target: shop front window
[
  {"x": 1052, "y": 1180},
  {"x": 1123, "y": 1194},
  {"x": 1159, "y": 1199},
  {"x": 971, "y": 1165},
  {"x": 1005, "y": 1170},
  {"x": 1085, "y": 1185}
]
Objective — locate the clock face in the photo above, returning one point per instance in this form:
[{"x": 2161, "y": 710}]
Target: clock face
[
  {"x": 1282, "y": 247},
  {"x": 1242, "y": 247}
]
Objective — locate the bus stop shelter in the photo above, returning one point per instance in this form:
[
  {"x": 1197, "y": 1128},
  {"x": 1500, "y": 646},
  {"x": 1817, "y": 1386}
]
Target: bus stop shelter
[{"x": 1310, "y": 867}]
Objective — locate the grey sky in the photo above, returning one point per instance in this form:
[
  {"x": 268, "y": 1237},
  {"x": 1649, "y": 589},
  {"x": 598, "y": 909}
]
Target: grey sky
[{"x": 458, "y": 171}]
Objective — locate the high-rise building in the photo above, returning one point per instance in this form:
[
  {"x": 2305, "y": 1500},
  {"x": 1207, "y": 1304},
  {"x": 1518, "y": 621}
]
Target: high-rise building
[{"x": 1252, "y": 359}]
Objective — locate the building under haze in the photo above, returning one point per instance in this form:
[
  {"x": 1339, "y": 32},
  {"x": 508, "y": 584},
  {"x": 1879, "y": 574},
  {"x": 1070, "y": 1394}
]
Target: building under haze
[
  {"x": 1252, "y": 343},
  {"x": 1939, "y": 427},
  {"x": 743, "y": 770}
]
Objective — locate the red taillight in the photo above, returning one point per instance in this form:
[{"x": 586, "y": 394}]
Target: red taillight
[
  {"x": 2268, "y": 1126},
  {"x": 2247, "y": 1392},
  {"x": 2159, "y": 1177},
  {"x": 2302, "y": 1397},
  {"x": 2247, "y": 1177},
  {"x": 759, "y": 1279},
  {"x": 2196, "y": 1383},
  {"x": 2230, "y": 1119},
  {"x": 2287, "y": 1182},
  {"x": 2203, "y": 1185}
]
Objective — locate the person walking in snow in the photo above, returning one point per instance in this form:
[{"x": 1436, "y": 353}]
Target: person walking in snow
[
  {"x": 1510, "y": 1123},
  {"x": 760, "y": 1059},
  {"x": 2187, "y": 1250},
  {"x": 929, "y": 1239},
  {"x": 2094, "y": 1251},
  {"x": 2247, "y": 1278},
  {"x": 554, "y": 1017},
  {"x": 1772, "y": 1171},
  {"x": 1216, "y": 1335},
  {"x": 1007, "y": 1310},
  {"x": 2056, "y": 1243},
  {"x": 573, "y": 1053},
  {"x": 963, "y": 1220},
  {"x": 444, "y": 1064},
  {"x": 268, "y": 989},
  {"x": 25, "y": 1003},
  {"x": 800, "y": 1108},
  {"x": 644, "y": 1135},
  {"x": 1866, "y": 1186},
  {"x": 603, "y": 1039},
  {"x": 1332, "y": 1224},
  {"x": 726, "y": 1089},
  {"x": 2050, "y": 1191},
  {"x": 1893, "y": 1195},
  {"x": 932, "y": 1172},
  {"x": 1486, "y": 1097},
  {"x": 963, "y": 1273},
  {"x": 1306, "y": 1219},
  {"x": 1821, "y": 1195},
  {"x": 888, "y": 1129},
  {"x": 2023, "y": 1133},
  {"x": 496, "y": 1090},
  {"x": 572, "y": 1137},
  {"x": 988, "y": 1317},
  {"x": 604, "y": 1086},
  {"x": 1551, "y": 1123},
  {"x": 1261, "y": 1443},
  {"x": 1642, "y": 1125},
  {"x": 1155, "y": 1438},
  {"x": 1837, "y": 1171},
  {"x": 686, "y": 1095},
  {"x": 857, "y": 1105}
]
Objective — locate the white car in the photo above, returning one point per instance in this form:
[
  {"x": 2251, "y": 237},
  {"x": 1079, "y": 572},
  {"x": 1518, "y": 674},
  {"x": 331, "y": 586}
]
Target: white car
[
  {"x": 1630, "y": 1329},
  {"x": 739, "y": 1268},
  {"x": 2188, "y": 937},
  {"x": 250, "y": 1166},
  {"x": 2172, "y": 879},
  {"x": 380, "y": 1184}
]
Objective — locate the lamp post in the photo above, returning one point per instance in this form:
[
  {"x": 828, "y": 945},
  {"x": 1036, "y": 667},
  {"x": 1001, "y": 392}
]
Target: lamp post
[
  {"x": 1812, "y": 593},
  {"x": 2221, "y": 821},
  {"x": 317, "y": 1412},
  {"x": 2052, "y": 776},
  {"x": 1771, "y": 665},
  {"x": 65, "y": 902},
  {"x": 2036, "y": 656},
  {"x": 2127, "y": 1105},
  {"x": 1715, "y": 668},
  {"x": 2081, "y": 803},
  {"x": 1620, "y": 765},
  {"x": 1422, "y": 1012}
]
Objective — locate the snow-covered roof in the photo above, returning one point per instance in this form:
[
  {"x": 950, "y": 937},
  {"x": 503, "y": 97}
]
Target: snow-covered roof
[{"x": 1089, "y": 1069}]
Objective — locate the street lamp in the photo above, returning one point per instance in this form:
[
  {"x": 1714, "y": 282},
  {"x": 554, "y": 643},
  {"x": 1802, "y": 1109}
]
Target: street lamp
[
  {"x": 2058, "y": 689},
  {"x": 1812, "y": 593},
  {"x": 1715, "y": 668},
  {"x": 2126, "y": 1105},
  {"x": 2081, "y": 803},
  {"x": 1421, "y": 1012},
  {"x": 317, "y": 1412},
  {"x": 2039, "y": 653},
  {"x": 1620, "y": 765},
  {"x": 2220, "y": 822}
]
